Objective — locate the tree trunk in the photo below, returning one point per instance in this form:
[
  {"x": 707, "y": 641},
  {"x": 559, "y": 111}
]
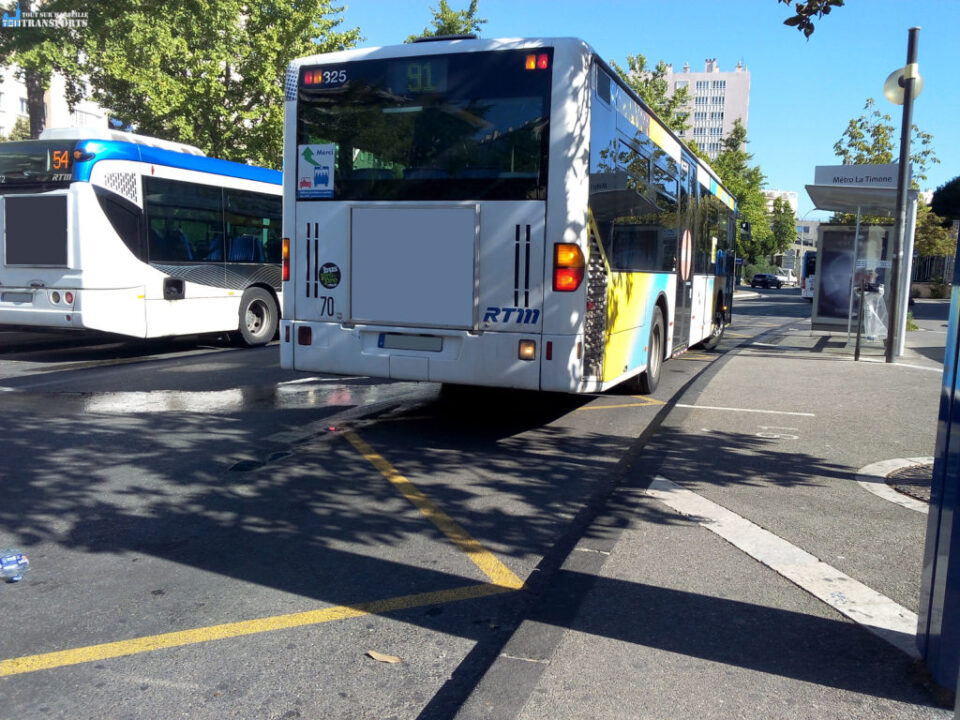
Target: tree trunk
[{"x": 35, "y": 106}]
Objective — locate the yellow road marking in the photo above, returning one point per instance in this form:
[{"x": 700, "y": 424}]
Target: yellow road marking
[
  {"x": 736, "y": 335},
  {"x": 91, "y": 653},
  {"x": 646, "y": 402},
  {"x": 488, "y": 563}
]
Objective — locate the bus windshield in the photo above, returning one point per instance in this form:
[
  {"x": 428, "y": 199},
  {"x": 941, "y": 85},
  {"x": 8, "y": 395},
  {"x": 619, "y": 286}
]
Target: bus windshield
[
  {"x": 438, "y": 127},
  {"x": 36, "y": 161}
]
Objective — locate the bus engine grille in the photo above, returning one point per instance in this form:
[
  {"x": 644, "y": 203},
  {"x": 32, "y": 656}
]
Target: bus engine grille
[{"x": 595, "y": 323}]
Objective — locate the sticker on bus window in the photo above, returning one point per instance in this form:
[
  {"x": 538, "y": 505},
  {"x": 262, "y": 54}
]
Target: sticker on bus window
[{"x": 315, "y": 171}]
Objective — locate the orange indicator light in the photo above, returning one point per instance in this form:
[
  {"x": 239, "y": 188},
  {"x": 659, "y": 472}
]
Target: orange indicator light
[{"x": 531, "y": 62}]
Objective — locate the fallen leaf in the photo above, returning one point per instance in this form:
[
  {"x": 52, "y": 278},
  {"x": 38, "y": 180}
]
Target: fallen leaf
[{"x": 380, "y": 657}]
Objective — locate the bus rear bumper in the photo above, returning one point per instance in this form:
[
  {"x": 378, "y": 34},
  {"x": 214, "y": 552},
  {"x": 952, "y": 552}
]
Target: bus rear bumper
[
  {"x": 431, "y": 355},
  {"x": 29, "y": 307}
]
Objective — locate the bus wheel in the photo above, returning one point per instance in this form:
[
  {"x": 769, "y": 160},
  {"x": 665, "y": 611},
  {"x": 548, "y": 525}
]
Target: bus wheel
[
  {"x": 648, "y": 380},
  {"x": 258, "y": 317},
  {"x": 716, "y": 332}
]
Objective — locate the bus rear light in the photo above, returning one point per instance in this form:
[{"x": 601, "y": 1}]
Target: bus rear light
[
  {"x": 68, "y": 296},
  {"x": 537, "y": 62},
  {"x": 55, "y": 297},
  {"x": 286, "y": 333},
  {"x": 548, "y": 352},
  {"x": 528, "y": 350},
  {"x": 286, "y": 259},
  {"x": 304, "y": 335},
  {"x": 568, "y": 267}
]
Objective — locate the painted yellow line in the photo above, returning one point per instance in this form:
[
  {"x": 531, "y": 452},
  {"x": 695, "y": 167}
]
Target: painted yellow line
[
  {"x": 648, "y": 402},
  {"x": 736, "y": 335},
  {"x": 697, "y": 356},
  {"x": 488, "y": 563},
  {"x": 92, "y": 653}
]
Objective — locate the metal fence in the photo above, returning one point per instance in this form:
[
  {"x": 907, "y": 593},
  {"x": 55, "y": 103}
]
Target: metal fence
[{"x": 927, "y": 269}]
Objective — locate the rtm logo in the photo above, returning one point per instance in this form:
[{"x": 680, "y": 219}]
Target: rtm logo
[{"x": 525, "y": 316}]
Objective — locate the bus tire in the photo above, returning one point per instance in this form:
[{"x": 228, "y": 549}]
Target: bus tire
[
  {"x": 259, "y": 317},
  {"x": 648, "y": 380},
  {"x": 716, "y": 330}
]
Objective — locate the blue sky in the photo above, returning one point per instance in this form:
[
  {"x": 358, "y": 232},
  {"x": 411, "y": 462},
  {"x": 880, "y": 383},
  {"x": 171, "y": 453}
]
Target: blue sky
[{"x": 802, "y": 92}]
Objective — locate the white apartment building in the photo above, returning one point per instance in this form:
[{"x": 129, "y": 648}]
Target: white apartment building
[
  {"x": 13, "y": 104},
  {"x": 717, "y": 99},
  {"x": 790, "y": 196}
]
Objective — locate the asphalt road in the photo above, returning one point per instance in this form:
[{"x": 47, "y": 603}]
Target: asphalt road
[{"x": 211, "y": 536}]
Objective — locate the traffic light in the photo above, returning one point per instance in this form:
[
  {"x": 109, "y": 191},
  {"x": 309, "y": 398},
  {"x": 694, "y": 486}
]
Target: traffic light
[{"x": 744, "y": 231}]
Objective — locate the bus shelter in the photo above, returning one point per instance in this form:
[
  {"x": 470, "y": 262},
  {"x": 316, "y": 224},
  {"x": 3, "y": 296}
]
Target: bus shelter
[{"x": 855, "y": 257}]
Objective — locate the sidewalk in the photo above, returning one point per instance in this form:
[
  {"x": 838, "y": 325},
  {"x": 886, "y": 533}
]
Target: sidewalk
[{"x": 738, "y": 572}]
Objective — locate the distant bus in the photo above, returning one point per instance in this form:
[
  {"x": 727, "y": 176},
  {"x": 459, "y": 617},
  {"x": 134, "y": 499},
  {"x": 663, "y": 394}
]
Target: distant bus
[
  {"x": 808, "y": 275},
  {"x": 494, "y": 212},
  {"x": 127, "y": 234}
]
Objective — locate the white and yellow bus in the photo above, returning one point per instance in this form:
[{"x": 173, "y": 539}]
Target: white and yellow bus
[{"x": 493, "y": 212}]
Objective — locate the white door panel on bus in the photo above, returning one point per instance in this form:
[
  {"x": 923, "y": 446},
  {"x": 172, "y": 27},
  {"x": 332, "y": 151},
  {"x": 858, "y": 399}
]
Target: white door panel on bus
[
  {"x": 414, "y": 266},
  {"x": 320, "y": 276},
  {"x": 175, "y": 317},
  {"x": 698, "y": 309},
  {"x": 119, "y": 310},
  {"x": 511, "y": 266}
]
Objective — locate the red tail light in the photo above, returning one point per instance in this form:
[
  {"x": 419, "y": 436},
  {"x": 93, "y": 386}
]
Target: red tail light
[
  {"x": 286, "y": 259},
  {"x": 568, "y": 267}
]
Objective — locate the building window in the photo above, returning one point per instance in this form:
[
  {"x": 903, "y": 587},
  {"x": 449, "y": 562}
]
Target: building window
[
  {"x": 24, "y": 107},
  {"x": 719, "y": 84},
  {"x": 700, "y": 101},
  {"x": 681, "y": 84},
  {"x": 716, "y": 115},
  {"x": 699, "y": 131},
  {"x": 716, "y": 100},
  {"x": 715, "y": 131},
  {"x": 700, "y": 115},
  {"x": 703, "y": 84}
]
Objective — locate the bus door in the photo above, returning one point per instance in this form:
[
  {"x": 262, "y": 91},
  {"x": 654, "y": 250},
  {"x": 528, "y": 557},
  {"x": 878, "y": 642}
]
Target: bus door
[{"x": 683, "y": 252}]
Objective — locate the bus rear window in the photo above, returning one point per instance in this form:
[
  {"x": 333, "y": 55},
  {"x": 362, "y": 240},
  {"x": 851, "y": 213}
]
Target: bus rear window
[{"x": 440, "y": 127}]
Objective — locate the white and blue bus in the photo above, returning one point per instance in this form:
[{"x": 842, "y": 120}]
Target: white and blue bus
[
  {"x": 494, "y": 212},
  {"x": 127, "y": 234}
]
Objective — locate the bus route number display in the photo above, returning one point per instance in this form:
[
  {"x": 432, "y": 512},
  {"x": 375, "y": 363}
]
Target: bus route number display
[
  {"x": 423, "y": 75},
  {"x": 60, "y": 160}
]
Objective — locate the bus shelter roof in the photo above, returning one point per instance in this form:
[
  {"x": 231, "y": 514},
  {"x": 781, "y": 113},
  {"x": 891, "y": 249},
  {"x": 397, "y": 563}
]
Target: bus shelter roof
[{"x": 868, "y": 200}]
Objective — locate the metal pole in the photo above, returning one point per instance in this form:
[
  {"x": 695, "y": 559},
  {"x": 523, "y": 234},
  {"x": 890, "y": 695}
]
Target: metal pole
[{"x": 903, "y": 186}]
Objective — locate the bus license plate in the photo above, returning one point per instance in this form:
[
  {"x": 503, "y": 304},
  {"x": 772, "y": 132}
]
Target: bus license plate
[
  {"x": 18, "y": 297},
  {"x": 398, "y": 341}
]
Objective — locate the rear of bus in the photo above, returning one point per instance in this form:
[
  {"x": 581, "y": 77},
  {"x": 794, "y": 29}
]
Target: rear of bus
[
  {"x": 416, "y": 213},
  {"x": 39, "y": 273}
]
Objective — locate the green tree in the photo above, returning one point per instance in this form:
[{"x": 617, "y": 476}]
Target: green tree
[
  {"x": 654, "y": 90},
  {"x": 447, "y": 21},
  {"x": 745, "y": 183},
  {"x": 19, "y": 131},
  {"x": 872, "y": 138},
  {"x": 206, "y": 72},
  {"x": 802, "y": 20},
  {"x": 783, "y": 225},
  {"x": 38, "y": 52},
  {"x": 946, "y": 200},
  {"x": 932, "y": 238}
]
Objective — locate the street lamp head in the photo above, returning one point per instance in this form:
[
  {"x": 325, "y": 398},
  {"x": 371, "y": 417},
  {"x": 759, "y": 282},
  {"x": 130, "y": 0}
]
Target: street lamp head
[{"x": 893, "y": 88}]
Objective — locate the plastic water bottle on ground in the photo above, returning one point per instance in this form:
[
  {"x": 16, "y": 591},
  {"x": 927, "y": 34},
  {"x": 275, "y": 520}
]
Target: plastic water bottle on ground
[{"x": 13, "y": 565}]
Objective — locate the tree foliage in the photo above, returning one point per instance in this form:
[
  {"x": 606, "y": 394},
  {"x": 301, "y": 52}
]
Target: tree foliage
[
  {"x": 745, "y": 183},
  {"x": 447, "y": 21},
  {"x": 802, "y": 20},
  {"x": 946, "y": 200},
  {"x": 783, "y": 224},
  {"x": 872, "y": 138},
  {"x": 38, "y": 52},
  {"x": 932, "y": 238},
  {"x": 205, "y": 72},
  {"x": 654, "y": 90}
]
